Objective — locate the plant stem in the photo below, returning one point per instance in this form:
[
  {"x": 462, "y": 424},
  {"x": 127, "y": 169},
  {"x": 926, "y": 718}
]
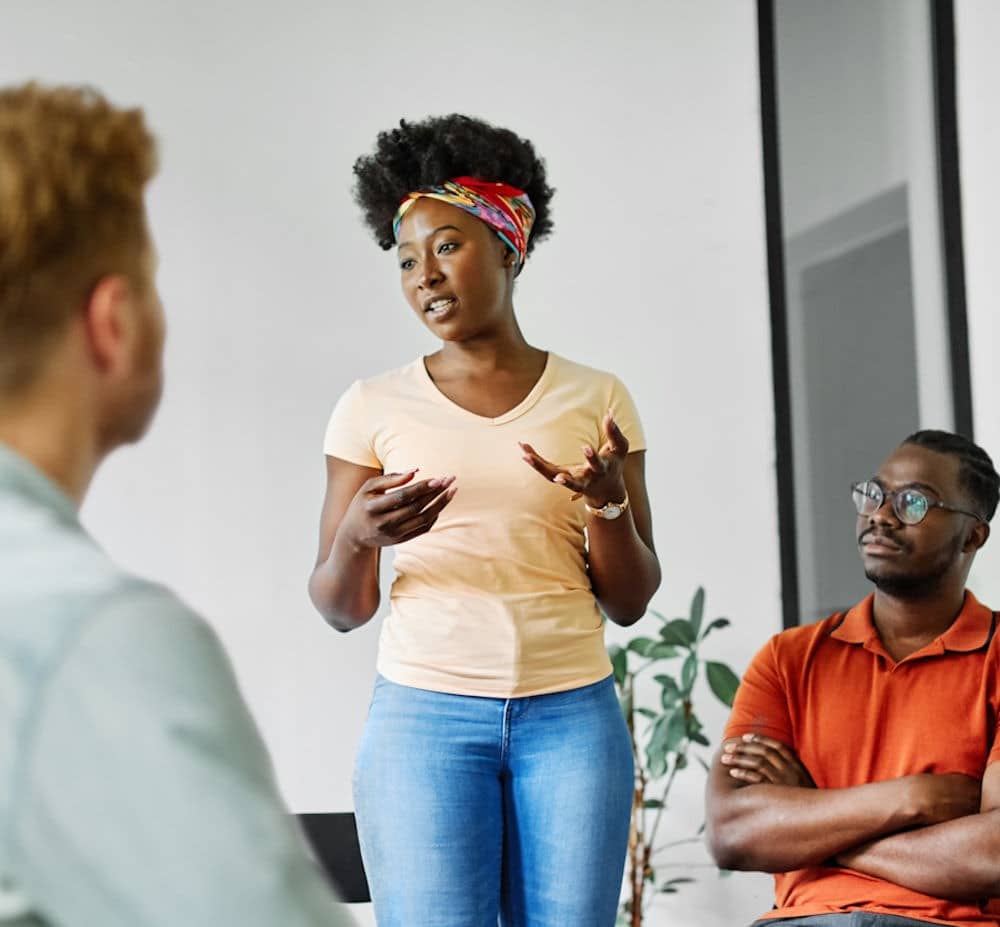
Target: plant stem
[{"x": 637, "y": 849}]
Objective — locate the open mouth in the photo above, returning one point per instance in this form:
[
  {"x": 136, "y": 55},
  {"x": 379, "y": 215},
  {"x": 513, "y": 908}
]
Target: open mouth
[{"x": 439, "y": 307}]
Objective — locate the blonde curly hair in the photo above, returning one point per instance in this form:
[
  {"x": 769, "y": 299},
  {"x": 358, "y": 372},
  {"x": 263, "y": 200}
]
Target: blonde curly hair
[{"x": 73, "y": 169}]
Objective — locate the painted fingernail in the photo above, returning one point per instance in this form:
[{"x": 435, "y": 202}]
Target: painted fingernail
[{"x": 749, "y": 738}]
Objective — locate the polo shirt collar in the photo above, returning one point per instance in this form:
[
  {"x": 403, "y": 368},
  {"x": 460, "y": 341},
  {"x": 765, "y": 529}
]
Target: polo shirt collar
[
  {"x": 968, "y": 632},
  {"x": 22, "y": 478}
]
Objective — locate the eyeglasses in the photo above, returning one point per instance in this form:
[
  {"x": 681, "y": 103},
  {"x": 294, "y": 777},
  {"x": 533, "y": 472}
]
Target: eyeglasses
[{"x": 909, "y": 505}]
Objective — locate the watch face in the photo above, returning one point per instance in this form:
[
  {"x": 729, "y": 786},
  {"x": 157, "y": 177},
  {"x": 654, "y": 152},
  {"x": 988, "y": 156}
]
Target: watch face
[{"x": 612, "y": 511}]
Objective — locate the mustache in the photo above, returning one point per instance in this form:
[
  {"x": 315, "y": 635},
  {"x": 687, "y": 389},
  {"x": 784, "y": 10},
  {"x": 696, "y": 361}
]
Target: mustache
[{"x": 889, "y": 536}]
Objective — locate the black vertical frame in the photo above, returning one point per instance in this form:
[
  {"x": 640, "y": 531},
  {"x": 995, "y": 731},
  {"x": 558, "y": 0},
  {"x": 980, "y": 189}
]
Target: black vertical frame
[
  {"x": 950, "y": 200},
  {"x": 785, "y": 476},
  {"x": 950, "y": 205}
]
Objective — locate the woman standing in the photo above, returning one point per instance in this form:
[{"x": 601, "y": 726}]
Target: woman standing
[{"x": 494, "y": 778}]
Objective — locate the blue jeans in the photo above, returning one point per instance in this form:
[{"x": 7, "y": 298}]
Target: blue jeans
[{"x": 473, "y": 810}]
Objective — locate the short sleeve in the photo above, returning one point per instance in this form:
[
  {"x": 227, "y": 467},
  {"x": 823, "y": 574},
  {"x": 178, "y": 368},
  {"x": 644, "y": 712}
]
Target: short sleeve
[
  {"x": 627, "y": 416},
  {"x": 349, "y": 431},
  {"x": 761, "y": 704},
  {"x": 146, "y": 795}
]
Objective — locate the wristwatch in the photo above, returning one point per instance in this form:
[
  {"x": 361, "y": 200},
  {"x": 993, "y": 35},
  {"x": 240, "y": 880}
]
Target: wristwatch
[{"x": 609, "y": 512}]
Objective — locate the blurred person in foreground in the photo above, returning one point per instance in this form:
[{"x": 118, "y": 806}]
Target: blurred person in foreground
[{"x": 134, "y": 787}]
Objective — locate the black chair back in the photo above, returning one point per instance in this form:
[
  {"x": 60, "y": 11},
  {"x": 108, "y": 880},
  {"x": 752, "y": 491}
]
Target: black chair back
[{"x": 333, "y": 837}]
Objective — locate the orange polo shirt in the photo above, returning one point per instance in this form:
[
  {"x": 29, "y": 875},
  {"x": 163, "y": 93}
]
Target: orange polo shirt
[{"x": 853, "y": 715}]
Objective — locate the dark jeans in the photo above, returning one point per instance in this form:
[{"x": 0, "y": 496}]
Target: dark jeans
[{"x": 853, "y": 919}]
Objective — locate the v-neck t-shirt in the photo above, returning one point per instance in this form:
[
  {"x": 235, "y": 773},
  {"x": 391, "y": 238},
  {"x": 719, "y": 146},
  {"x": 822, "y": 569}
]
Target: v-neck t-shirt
[{"x": 495, "y": 600}]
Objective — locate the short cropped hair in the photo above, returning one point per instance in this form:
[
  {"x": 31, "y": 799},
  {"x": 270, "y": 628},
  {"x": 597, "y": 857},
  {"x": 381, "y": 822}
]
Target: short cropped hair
[
  {"x": 976, "y": 474},
  {"x": 73, "y": 169}
]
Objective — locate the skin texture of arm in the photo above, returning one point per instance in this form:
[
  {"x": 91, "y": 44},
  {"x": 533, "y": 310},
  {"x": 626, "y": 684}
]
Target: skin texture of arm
[
  {"x": 624, "y": 569},
  {"x": 769, "y": 826},
  {"x": 363, "y": 512},
  {"x": 344, "y": 583},
  {"x": 970, "y": 846}
]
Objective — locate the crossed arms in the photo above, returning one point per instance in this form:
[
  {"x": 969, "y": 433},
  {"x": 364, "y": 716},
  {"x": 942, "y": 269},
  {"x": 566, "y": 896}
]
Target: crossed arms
[{"x": 765, "y": 814}]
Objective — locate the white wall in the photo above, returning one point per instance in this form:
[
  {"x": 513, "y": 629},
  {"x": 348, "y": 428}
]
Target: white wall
[
  {"x": 977, "y": 32},
  {"x": 647, "y": 113}
]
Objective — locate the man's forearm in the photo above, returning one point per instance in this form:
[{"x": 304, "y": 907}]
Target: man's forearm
[
  {"x": 778, "y": 828},
  {"x": 958, "y": 859}
]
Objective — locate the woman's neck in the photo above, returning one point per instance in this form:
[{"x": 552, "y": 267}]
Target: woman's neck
[{"x": 507, "y": 350}]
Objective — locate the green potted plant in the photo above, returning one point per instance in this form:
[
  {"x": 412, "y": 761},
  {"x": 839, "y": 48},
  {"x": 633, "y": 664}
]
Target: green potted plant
[{"x": 666, "y": 735}]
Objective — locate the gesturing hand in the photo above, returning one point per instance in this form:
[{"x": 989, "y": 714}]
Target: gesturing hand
[
  {"x": 381, "y": 514},
  {"x": 754, "y": 758},
  {"x": 600, "y": 477}
]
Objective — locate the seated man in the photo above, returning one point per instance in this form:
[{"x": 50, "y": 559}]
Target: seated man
[
  {"x": 134, "y": 788},
  {"x": 858, "y": 746}
]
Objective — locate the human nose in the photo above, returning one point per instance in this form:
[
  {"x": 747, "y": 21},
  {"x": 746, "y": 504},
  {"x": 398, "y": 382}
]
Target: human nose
[
  {"x": 430, "y": 273},
  {"x": 886, "y": 512}
]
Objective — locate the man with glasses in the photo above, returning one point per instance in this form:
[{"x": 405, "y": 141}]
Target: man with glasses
[{"x": 861, "y": 764}]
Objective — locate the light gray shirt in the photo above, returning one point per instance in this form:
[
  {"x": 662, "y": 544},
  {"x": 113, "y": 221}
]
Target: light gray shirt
[{"x": 135, "y": 790}]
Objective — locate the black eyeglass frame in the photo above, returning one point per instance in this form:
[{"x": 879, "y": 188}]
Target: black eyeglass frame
[{"x": 891, "y": 495}]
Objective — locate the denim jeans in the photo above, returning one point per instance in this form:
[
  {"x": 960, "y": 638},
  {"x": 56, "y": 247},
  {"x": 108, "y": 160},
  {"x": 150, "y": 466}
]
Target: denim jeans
[{"x": 478, "y": 810}]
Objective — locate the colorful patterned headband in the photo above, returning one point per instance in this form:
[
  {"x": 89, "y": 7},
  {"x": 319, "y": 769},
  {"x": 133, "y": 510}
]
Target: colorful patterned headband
[{"x": 505, "y": 209}]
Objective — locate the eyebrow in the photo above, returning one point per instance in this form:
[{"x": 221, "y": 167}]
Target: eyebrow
[{"x": 440, "y": 228}]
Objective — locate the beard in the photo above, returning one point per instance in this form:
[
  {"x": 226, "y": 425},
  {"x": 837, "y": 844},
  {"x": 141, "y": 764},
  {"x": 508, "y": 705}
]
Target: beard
[{"x": 916, "y": 583}]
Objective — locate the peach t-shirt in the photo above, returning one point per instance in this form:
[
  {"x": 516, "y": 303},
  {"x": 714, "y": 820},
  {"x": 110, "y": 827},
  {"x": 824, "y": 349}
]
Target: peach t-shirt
[{"x": 495, "y": 600}]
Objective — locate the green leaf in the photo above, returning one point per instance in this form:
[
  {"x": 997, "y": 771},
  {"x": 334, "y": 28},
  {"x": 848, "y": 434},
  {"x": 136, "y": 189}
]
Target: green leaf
[
  {"x": 676, "y": 731},
  {"x": 682, "y": 761},
  {"x": 671, "y": 692},
  {"x": 678, "y": 632},
  {"x": 718, "y": 623},
  {"x": 652, "y": 803},
  {"x": 699, "y": 738},
  {"x": 697, "y": 609},
  {"x": 619, "y": 663},
  {"x": 625, "y": 703},
  {"x": 670, "y": 699},
  {"x": 688, "y": 672},
  {"x": 658, "y": 746},
  {"x": 641, "y": 645},
  {"x": 646, "y": 713},
  {"x": 659, "y": 615},
  {"x": 722, "y": 680},
  {"x": 662, "y": 652}
]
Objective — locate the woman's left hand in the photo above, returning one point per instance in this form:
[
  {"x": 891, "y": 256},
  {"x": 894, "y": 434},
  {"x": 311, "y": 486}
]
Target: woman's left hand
[{"x": 600, "y": 478}]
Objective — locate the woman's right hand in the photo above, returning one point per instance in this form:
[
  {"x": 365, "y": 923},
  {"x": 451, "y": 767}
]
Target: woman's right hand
[{"x": 381, "y": 514}]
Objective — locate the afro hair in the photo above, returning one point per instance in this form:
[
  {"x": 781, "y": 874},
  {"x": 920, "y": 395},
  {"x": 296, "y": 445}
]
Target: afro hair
[{"x": 420, "y": 155}]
